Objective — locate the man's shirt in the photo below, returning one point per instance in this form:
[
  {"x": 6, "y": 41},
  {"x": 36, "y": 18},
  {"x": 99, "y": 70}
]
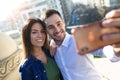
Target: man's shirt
[{"x": 74, "y": 66}]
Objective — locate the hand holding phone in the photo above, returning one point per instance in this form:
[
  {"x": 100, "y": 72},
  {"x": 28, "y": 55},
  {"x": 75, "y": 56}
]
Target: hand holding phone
[{"x": 89, "y": 37}]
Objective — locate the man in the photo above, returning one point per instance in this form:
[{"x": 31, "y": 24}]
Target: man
[{"x": 72, "y": 65}]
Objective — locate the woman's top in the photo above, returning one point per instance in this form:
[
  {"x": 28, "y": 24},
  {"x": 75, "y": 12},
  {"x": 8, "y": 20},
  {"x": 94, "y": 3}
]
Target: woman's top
[
  {"x": 34, "y": 69},
  {"x": 51, "y": 69}
]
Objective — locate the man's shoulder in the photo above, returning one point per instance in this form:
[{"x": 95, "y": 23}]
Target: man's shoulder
[
  {"x": 70, "y": 37},
  {"x": 68, "y": 40}
]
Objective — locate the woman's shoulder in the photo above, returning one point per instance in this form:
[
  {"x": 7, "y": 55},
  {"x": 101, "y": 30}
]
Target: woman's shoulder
[{"x": 27, "y": 63}]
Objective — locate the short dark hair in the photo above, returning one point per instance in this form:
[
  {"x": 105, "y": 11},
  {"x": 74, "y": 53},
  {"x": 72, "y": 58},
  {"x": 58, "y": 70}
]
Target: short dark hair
[
  {"x": 26, "y": 31},
  {"x": 50, "y": 12}
]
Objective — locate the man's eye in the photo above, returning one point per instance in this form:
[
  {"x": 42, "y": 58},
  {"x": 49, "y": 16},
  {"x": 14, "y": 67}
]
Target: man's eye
[
  {"x": 59, "y": 24},
  {"x": 50, "y": 27}
]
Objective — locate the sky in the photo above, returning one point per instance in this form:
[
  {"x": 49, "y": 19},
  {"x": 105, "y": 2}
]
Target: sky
[
  {"x": 6, "y": 7},
  {"x": 75, "y": 1}
]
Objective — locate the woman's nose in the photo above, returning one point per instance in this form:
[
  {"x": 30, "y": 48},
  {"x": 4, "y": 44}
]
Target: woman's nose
[{"x": 39, "y": 34}]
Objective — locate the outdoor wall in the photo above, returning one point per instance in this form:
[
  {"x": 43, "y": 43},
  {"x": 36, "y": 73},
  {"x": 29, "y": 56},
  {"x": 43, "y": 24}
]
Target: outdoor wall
[{"x": 10, "y": 57}]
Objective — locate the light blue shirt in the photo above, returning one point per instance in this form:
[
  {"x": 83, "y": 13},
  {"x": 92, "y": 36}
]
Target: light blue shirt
[{"x": 74, "y": 66}]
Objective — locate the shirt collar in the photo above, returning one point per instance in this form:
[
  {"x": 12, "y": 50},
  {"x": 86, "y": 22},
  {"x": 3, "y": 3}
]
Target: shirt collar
[{"x": 66, "y": 40}]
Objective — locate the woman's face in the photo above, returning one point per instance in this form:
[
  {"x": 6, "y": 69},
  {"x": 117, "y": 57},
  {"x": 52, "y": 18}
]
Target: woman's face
[{"x": 37, "y": 35}]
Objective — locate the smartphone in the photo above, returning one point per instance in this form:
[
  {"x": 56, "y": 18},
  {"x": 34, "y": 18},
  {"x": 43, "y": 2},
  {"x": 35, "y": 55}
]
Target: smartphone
[{"x": 89, "y": 37}]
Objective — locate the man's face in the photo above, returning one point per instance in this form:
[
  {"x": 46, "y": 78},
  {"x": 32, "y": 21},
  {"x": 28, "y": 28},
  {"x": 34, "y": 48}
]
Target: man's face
[{"x": 55, "y": 27}]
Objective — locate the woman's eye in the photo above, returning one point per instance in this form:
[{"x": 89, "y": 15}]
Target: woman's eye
[
  {"x": 33, "y": 32},
  {"x": 43, "y": 31}
]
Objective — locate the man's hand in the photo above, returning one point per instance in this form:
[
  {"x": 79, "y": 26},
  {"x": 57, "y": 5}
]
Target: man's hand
[
  {"x": 52, "y": 48},
  {"x": 113, "y": 20}
]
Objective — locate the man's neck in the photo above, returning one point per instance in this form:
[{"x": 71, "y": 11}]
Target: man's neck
[{"x": 59, "y": 42}]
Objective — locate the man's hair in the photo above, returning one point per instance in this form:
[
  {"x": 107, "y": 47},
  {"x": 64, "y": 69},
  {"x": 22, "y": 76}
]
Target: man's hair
[{"x": 49, "y": 13}]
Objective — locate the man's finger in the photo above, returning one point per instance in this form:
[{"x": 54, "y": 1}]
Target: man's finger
[
  {"x": 111, "y": 22},
  {"x": 113, "y": 36},
  {"x": 113, "y": 14}
]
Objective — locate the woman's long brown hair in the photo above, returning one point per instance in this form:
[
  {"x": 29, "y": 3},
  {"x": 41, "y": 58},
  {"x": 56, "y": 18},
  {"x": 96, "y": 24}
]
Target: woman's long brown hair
[{"x": 26, "y": 41}]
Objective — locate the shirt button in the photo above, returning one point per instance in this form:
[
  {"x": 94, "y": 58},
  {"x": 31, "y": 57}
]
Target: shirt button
[
  {"x": 36, "y": 76},
  {"x": 44, "y": 71}
]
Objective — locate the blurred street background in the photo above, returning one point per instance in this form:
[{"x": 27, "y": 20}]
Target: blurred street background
[
  {"x": 108, "y": 69},
  {"x": 74, "y": 12}
]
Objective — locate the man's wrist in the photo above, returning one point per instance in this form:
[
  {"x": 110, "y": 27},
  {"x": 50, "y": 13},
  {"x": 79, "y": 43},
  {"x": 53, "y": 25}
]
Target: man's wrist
[
  {"x": 116, "y": 56},
  {"x": 117, "y": 52}
]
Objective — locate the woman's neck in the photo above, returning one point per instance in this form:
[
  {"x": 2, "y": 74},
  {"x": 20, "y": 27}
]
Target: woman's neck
[{"x": 39, "y": 54}]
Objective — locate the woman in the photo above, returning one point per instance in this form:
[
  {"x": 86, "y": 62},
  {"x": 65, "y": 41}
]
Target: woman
[{"x": 38, "y": 64}]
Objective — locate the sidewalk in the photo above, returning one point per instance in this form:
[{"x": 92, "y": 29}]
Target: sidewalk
[{"x": 108, "y": 69}]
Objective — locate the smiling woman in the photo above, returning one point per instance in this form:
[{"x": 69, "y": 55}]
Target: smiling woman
[{"x": 7, "y": 6}]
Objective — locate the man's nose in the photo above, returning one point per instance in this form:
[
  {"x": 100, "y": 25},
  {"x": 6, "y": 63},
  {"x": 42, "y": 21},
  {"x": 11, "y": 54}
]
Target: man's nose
[{"x": 57, "y": 29}]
